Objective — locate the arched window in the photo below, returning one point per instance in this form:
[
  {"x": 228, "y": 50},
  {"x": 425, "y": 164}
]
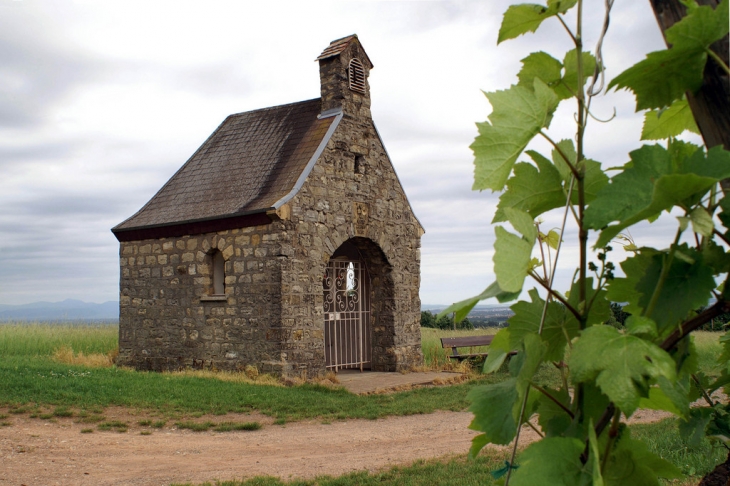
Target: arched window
[
  {"x": 356, "y": 73},
  {"x": 219, "y": 273}
]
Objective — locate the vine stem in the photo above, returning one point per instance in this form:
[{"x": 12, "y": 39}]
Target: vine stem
[
  {"x": 702, "y": 390},
  {"x": 529, "y": 424},
  {"x": 555, "y": 400},
  {"x": 718, "y": 60},
  {"x": 542, "y": 253},
  {"x": 554, "y": 294},
  {"x": 567, "y": 29},
  {"x": 720, "y": 307},
  {"x": 721, "y": 236},
  {"x": 539, "y": 331},
  {"x": 573, "y": 169},
  {"x": 613, "y": 432},
  {"x": 579, "y": 156},
  {"x": 663, "y": 276}
]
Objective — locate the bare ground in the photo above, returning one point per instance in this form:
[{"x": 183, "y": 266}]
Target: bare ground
[{"x": 42, "y": 452}]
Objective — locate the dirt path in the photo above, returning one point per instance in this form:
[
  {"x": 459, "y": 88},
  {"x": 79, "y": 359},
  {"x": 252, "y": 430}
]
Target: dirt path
[{"x": 40, "y": 452}]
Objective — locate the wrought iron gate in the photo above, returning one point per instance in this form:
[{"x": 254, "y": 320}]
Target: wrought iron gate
[{"x": 347, "y": 334}]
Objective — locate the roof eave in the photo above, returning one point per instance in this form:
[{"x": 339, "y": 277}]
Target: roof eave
[
  {"x": 337, "y": 113},
  {"x": 244, "y": 219}
]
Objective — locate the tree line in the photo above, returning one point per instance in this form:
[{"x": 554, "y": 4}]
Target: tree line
[{"x": 617, "y": 319}]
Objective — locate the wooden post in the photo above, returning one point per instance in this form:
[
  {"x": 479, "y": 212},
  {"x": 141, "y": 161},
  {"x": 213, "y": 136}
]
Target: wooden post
[{"x": 711, "y": 104}]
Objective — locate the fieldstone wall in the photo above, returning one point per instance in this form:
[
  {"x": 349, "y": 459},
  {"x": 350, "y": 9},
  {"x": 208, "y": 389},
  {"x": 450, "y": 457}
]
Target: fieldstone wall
[
  {"x": 324, "y": 215},
  {"x": 169, "y": 321},
  {"x": 352, "y": 194}
]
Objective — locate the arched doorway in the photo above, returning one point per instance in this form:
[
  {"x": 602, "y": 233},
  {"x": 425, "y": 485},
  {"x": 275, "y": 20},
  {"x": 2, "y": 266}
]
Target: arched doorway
[{"x": 347, "y": 318}]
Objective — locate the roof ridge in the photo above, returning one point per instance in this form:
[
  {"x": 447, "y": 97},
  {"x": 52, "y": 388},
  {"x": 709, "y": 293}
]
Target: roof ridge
[{"x": 275, "y": 107}]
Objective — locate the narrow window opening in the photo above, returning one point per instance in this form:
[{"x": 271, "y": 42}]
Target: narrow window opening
[
  {"x": 356, "y": 73},
  {"x": 359, "y": 164},
  {"x": 219, "y": 273}
]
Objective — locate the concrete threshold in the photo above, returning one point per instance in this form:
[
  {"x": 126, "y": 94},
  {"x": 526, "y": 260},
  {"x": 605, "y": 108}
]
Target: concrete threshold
[{"x": 367, "y": 382}]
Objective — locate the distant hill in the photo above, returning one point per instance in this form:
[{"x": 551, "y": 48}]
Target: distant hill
[
  {"x": 67, "y": 310},
  {"x": 479, "y": 307},
  {"x": 484, "y": 315}
]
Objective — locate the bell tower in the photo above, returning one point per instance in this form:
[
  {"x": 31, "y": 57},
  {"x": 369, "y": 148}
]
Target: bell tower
[{"x": 344, "y": 67}]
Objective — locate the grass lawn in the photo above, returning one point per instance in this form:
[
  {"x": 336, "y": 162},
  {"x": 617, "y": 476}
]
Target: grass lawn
[
  {"x": 30, "y": 377},
  {"x": 30, "y": 374}
]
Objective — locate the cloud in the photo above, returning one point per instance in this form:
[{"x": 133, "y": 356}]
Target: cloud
[
  {"x": 103, "y": 102},
  {"x": 39, "y": 69}
]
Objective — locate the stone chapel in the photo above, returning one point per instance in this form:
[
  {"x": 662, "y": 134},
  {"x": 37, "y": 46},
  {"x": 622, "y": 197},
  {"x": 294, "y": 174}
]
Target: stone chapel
[{"x": 285, "y": 242}]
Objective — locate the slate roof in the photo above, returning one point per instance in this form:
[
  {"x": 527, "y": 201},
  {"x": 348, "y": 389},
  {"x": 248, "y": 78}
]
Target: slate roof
[{"x": 250, "y": 162}]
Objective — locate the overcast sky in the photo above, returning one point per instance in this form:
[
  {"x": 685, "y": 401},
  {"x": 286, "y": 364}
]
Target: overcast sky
[{"x": 101, "y": 102}]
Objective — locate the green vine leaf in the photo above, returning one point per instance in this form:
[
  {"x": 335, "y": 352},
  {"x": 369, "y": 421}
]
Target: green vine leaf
[
  {"x": 692, "y": 429},
  {"x": 553, "y": 419},
  {"x": 518, "y": 115},
  {"x": 621, "y": 364},
  {"x": 594, "y": 179},
  {"x": 569, "y": 84},
  {"x": 701, "y": 221},
  {"x": 631, "y": 464},
  {"x": 522, "y": 222},
  {"x": 716, "y": 257},
  {"x": 511, "y": 260},
  {"x": 719, "y": 427},
  {"x": 623, "y": 289},
  {"x": 669, "y": 123},
  {"x": 477, "y": 444},
  {"x": 532, "y": 190},
  {"x": 552, "y": 239},
  {"x": 527, "y": 17},
  {"x": 665, "y": 75},
  {"x": 600, "y": 311},
  {"x": 724, "y": 359},
  {"x": 687, "y": 286},
  {"x": 492, "y": 408},
  {"x": 678, "y": 394},
  {"x": 539, "y": 65},
  {"x": 641, "y": 326},
  {"x": 554, "y": 460},
  {"x": 652, "y": 183},
  {"x": 594, "y": 457},
  {"x": 669, "y": 397},
  {"x": 686, "y": 357},
  {"x": 461, "y": 309},
  {"x": 679, "y": 150},
  {"x": 533, "y": 353},
  {"x": 568, "y": 152},
  {"x": 658, "y": 400},
  {"x": 559, "y": 326},
  {"x": 561, "y": 77},
  {"x": 498, "y": 351}
]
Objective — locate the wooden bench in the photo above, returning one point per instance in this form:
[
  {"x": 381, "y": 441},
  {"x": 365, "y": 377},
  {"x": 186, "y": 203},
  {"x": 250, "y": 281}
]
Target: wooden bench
[{"x": 454, "y": 343}]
